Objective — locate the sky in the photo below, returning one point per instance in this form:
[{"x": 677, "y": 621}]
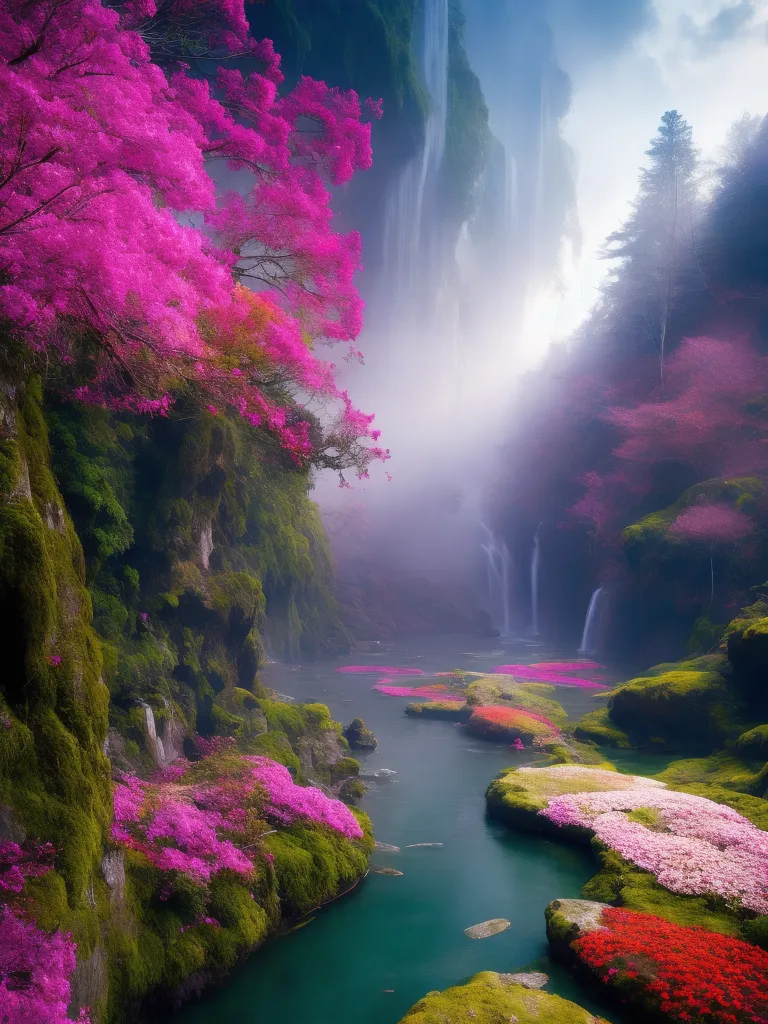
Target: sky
[{"x": 706, "y": 58}]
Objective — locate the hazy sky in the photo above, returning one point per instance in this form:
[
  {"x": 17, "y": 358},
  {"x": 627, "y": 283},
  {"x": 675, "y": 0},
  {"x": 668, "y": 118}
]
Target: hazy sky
[{"x": 706, "y": 58}]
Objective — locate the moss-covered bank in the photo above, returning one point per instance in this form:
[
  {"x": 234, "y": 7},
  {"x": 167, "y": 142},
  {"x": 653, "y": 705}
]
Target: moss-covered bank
[{"x": 143, "y": 567}]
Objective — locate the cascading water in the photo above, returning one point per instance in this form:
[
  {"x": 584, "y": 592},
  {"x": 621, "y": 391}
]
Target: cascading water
[
  {"x": 498, "y": 566},
  {"x": 404, "y": 220},
  {"x": 589, "y": 636},
  {"x": 535, "y": 564}
]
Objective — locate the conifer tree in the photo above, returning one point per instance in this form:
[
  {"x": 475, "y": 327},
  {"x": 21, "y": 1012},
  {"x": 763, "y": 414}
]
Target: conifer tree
[{"x": 653, "y": 244}]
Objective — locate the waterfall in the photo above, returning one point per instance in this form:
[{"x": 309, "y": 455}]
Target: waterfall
[
  {"x": 589, "y": 636},
  {"x": 404, "y": 214},
  {"x": 498, "y": 567},
  {"x": 535, "y": 561}
]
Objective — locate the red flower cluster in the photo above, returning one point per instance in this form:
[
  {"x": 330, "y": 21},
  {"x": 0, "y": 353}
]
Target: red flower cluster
[
  {"x": 498, "y": 720},
  {"x": 689, "y": 974}
]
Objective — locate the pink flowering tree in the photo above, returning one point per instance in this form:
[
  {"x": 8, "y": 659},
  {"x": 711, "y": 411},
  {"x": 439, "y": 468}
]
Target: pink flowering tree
[
  {"x": 713, "y": 525},
  {"x": 126, "y": 270},
  {"x": 708, "y": 418}
]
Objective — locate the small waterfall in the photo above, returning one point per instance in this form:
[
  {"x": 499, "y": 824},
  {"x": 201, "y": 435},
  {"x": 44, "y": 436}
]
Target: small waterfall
[
  {"x": 589, "y": 636},
  {"x": 535, "y": 562},
  {"x": 498, "y": 566},
  {"x": 405, "y": 214}
]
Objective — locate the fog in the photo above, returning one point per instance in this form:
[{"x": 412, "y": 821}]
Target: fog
[{"x": 457, "y": 313}]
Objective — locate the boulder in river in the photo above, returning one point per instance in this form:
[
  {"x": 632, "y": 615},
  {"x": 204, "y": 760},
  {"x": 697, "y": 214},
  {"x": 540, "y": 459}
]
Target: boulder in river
[
  {"x": 487, "y": 928},
  {"x": 488, "y": 999},
  {"x": 359, "y": 736}
]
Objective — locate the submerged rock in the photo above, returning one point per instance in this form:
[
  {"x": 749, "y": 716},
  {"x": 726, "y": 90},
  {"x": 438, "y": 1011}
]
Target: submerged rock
[
  {"x": 528, "y": 979},
  {"x": 415, "y": 846},
  {"x": 489, "y": 999},
  {"x": 377, "y": 869},
  {"x": 386, "y": 848},
  {"x": 359, "y": 736},
  {"x": 487, "y": 928}
]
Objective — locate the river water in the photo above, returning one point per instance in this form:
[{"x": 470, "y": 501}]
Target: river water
[{"x": 371, "y": 955}]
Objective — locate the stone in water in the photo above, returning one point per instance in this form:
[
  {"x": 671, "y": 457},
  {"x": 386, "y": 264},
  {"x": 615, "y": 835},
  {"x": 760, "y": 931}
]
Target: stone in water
[
  {"x": 387, "y": 848},
  {"x": 487, "y": 928},
  {"x": 414, "y": 846},
  {"x": 528, "y": 979},
  {"x": 377, "y": 869}
]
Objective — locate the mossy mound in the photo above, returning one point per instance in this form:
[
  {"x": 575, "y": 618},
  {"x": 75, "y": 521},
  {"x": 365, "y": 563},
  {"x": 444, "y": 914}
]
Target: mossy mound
[
  {"x": 746, "y": 641},
  {"x": 359, "y": 737},
  {"x": 489, "y": 999},
  {"x": 502, "y": 689},
  {"x": 448, "y": 710},
  {"x": 725, "y": 779},
  {"x": 681, "y": 705},
  {"x": 598, "y": 727},
  {"x": 753, "y": 743}
]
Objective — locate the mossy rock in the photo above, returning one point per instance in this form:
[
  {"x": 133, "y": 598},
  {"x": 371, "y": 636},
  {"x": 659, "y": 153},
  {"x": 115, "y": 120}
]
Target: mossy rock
[
  {"x": 359, "y": 736},
  {"x": 447, "y": 710},
  {"x": 681, "y": 706},
  {"x": 597, "y": 727},
  {"x": 753, "y": 743},
  {"x": 746, "y": 640},
  {"x": 489, "y": 998}
]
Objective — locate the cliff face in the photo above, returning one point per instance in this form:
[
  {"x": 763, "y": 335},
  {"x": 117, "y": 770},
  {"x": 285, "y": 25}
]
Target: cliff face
[{"x": 144, "y": 566}]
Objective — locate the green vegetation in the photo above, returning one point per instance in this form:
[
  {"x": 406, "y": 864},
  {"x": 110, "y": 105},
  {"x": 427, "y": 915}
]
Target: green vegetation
[
  {"x": 597, "y": 727},
  {"x": 449, "y": 710},
  {"x": 489, "y": 998},
  {"x": 684, "y": 705}
]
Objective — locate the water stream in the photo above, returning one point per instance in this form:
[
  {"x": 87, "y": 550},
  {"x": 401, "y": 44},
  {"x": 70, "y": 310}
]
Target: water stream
[{"x": 369, "y": 957}]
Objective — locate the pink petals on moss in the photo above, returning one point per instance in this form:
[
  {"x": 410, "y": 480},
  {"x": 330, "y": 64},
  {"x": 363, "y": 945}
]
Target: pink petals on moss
[
  {"x": 35, "y": 966},
  {"x": 556, "y": 673},
  {"x": 701, "y": 848},
  {"x": 194, "y": 817}
]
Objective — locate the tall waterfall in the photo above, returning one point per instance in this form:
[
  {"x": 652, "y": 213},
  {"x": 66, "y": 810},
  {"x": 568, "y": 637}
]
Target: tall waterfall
[
  {"x": 535, "y": 562},
  {"x": 589, "y": 636},
  {"x": 404, "y": 220},
  {"x": 498, "y": 566}
]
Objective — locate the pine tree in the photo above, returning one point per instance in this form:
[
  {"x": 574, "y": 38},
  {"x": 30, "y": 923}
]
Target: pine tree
[{"x": 655, "y": 242}]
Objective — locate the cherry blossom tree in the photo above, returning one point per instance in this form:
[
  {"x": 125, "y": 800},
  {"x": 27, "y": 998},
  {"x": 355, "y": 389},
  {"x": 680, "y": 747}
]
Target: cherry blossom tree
[{"x": 126, "y": 271}]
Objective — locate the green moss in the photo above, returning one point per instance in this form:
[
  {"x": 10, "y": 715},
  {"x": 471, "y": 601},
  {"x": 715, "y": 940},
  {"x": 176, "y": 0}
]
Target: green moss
[
  {"x": 489, "y": 999},
  {"x": 753, "y": 743},
  {"x": 680, "y": 705},
  {"x": 314, "y": 864},
  {"x": 719, "y": 772},
  {"x": 621, "y": 883},
  {"x": 598, "y": 727},
  {"x": 450, "y": 711},
  {"x": 741, "y": 492}
]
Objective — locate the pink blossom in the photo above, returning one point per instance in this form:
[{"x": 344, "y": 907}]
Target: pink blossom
[
  {"x": 543, "y": 674},
  {"x": 713, "y": 524},
  {"x": 707, "y": 848}
]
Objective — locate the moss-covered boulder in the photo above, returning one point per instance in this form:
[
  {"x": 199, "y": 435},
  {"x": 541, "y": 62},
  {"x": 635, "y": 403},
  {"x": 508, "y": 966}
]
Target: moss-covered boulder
[
  {"x": 746, "y": 641},
  {"x": 359, "y": 736},
  {"x": 687, "y": 705},
  {"x": 491, "y": 998},
  {"x": 447, "y": 710},
  {"x": 598, "y": 727},
  {"x": 753, "y": 743}
]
